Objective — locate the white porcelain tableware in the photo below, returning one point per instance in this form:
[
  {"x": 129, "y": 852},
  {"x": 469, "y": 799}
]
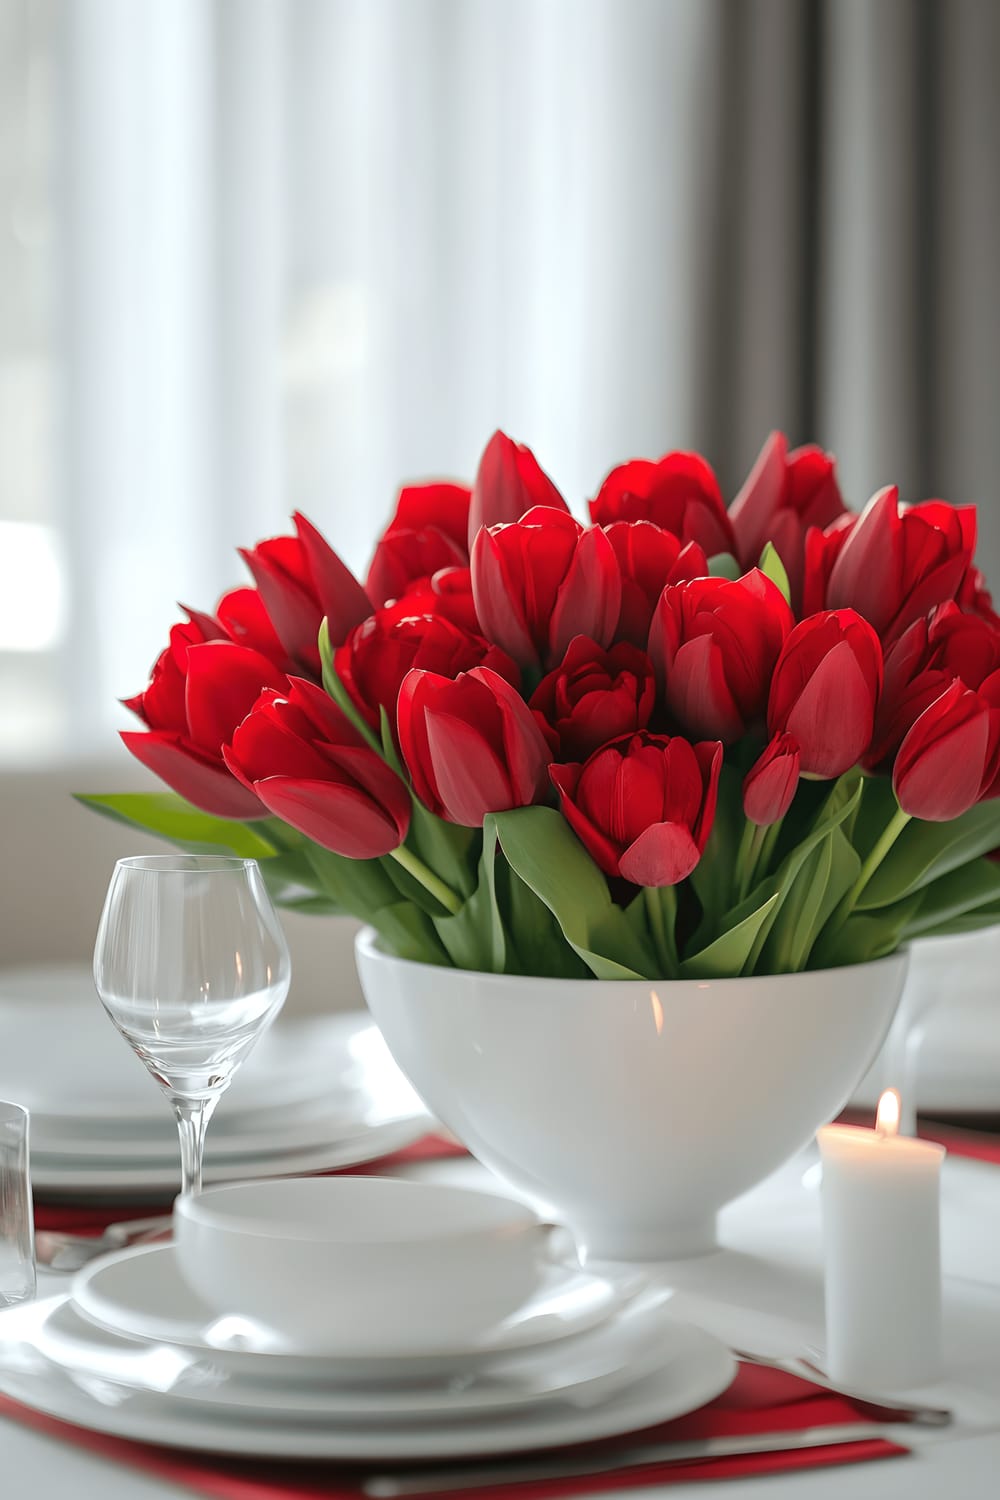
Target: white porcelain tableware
[
  {"x": 374, "y": 1263},
  {"x": 72, "y": 1180},
  {"x": 140, "y": 1294},
  {"x": 631, "y": 1111},
  {"x": 696, "y": 1369},
  {"x": 638, "y": 1342}
]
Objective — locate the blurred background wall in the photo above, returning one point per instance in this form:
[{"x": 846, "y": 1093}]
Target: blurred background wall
[{"x": 258, "y": 255}]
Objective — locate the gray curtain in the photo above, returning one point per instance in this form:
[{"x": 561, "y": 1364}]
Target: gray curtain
[{"x": 851, "y": 242}]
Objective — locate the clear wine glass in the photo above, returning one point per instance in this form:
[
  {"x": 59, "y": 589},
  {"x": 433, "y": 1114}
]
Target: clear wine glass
[{"x": 192, "y": 966}]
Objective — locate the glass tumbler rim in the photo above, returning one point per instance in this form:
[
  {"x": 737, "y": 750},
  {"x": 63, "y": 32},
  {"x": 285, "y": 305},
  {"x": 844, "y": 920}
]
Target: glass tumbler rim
[
  {"x": 186, "y": 864},
  {"x": 10, "y": 1107}
]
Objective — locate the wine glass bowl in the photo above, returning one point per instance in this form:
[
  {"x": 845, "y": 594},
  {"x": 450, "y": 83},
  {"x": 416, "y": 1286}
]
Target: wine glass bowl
[{"x": 192, "y": 967}]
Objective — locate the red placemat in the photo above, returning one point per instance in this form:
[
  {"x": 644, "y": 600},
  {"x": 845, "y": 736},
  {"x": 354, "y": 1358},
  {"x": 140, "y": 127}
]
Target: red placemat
[
  {"x": 759, "y": 1401},
  {"x": 92, "y": 1218}
]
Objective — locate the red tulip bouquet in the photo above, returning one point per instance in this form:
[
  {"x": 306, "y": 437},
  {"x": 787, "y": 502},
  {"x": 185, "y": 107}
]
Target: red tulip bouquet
[{"x": 678, "y": 741}]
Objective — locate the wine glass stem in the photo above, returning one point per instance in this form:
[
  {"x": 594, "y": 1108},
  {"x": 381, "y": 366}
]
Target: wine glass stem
[{"x": 192, "y": 1122}]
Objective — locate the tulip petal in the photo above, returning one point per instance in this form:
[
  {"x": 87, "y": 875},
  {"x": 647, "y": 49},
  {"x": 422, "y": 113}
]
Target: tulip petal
[
  {"x": 663, "y": 854},
  {"x": 342, "y": 818},
  {"x": 832, "y": 718},
  {"x": 341, "y": 599},
  {"x": 867, "y": 573},
  {"x": 509, "y": 482},
  {"x": 224, "y": 682},
  {"x": 494, "y": 594},
  {"x": 597, "y": 844},
  {"x": 752, "y": 512},
  {"x": 589, "y": 598},
  {"x": 942, "y": 779},
  {"x": 698, "y": 693},
  {"x": 470, "y": 779},
  {"x": 205, "y": 783}
]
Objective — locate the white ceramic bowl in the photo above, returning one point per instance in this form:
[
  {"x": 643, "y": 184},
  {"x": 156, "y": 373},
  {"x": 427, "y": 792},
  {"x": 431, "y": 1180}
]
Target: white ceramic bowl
[
  {"x": 359, "y": 1265},
  {"x": 630, "y": 1110}
]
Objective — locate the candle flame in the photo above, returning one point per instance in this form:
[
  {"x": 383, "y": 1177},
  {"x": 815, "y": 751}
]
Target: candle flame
[
  {"x": 887, "y": 1114},
  {"x": 657, "y": 1011}
]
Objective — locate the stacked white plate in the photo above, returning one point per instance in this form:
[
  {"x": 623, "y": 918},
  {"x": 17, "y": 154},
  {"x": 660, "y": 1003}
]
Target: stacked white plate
[
  {"x": 314, "y": 1094},
  {"x": 131, "y": 1351}
]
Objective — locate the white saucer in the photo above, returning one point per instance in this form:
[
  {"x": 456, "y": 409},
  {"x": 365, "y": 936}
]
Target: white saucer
[
  {"x": 588, "y": 1370},
  {"x": 140, "y": 1294},
  {"x": 699, "y": 1368}
]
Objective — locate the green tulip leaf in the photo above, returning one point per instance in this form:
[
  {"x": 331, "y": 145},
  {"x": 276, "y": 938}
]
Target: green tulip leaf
[
  {"x": 772, "y": 567},
  {"x": 821, "y": 881},
  {"x": 170, "y": 817},
  {"x": 474, "y": 936},
  {"x": 967, "y": 889},
  {"x": 408, "y": 933},
  {"x": 546, "y": 854},
  {"x": 357, "y": 886},
  {"x": 924, "y": 852},
  {"x": 724, "y": 565},
  {"x": 972, "y": 921},
  {"x": 726, "y": 955},
  {"x": 446, "y": 848},
  {"x": 866, "y": 936},
  {"x": 712, "y": 877}
]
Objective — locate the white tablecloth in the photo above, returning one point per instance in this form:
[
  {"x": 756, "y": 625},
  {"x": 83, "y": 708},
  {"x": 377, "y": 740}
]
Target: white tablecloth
[{"x": 763, "y": 1291}]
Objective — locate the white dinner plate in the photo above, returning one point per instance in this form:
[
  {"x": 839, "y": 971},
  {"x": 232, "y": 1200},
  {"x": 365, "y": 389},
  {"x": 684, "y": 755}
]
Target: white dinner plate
[
  {"x": 140, "y": 1294},
  {"x": 303, "y": 1129},
  {"x": 698, "y": 1369},
  {"x": 62, "y": 1058},
  {"x": 619, "y": 1352},
  {"x": 67, "y": 1181}
]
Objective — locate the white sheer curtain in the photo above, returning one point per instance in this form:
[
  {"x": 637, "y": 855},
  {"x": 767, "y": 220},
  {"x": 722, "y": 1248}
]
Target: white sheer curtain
[
  {"x": 310, "y": 248},
  {"x": 316, "y": 246}
]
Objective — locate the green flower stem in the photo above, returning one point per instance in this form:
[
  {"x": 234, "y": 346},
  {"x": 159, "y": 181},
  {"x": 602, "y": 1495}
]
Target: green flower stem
[
  {"x": 890, "y": 833},
  {"x": 661, "y": 908},
  {"x": 767, "y": 848},
  {"x": 431, "y": 883},
  {"x": 747, "y": 858},
  {"x": 886, "y": 839}
]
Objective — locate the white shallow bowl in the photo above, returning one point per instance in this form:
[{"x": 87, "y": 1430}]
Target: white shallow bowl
[
  {"x": 631, "y": 1110},
  {"x": 370, "y": 1263}
]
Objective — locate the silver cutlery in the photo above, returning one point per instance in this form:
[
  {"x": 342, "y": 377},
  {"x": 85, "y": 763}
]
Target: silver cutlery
[
  {"x": 60, "y": 1251},
  {"x": 468, "y": 1476},
  {"x": 888, "y": 1410}
]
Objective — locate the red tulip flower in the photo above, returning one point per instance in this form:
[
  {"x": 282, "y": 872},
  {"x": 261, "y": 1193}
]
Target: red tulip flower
[
  {"x": 825, "y": 690},
  {"x": 820, "y": 552},
  {"x": 426, "y": 533},
  {"x": 245, "y": 620},
  {"x": 471, "y": 745},
  {"x": 510, "y": 482},
  {"x": 975, "y": 598},
  {"x": 302, "y": 581},
  {"x": 948, "y": 758},
  {"x": 541, "y": 581},
  {"x": 770, "y": 784},
  {"x": 680, "y": 493},
  {"x": 594, "y": 696},
  {"x": 896, "y": 565},
  {"x": 307, "y": 763},
  {"x": 649, "y": 558},
  {"x": 377, "y": 655},
  {"x": 643, "y": 806},
  {"x": 714, "y": 643},
  {"x": 448, "y": 593},
  {"x": 784, "y": 495},
  {"x": 929, "y": 655},
  {"x": 198, "y": 692}
]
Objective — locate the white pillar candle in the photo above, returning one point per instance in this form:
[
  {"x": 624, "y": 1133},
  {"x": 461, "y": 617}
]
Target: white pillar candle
[{"x": 882, "y": 1242}]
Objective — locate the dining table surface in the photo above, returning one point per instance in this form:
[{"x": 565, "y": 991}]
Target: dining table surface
[{"x": 762, "y": 1291}]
